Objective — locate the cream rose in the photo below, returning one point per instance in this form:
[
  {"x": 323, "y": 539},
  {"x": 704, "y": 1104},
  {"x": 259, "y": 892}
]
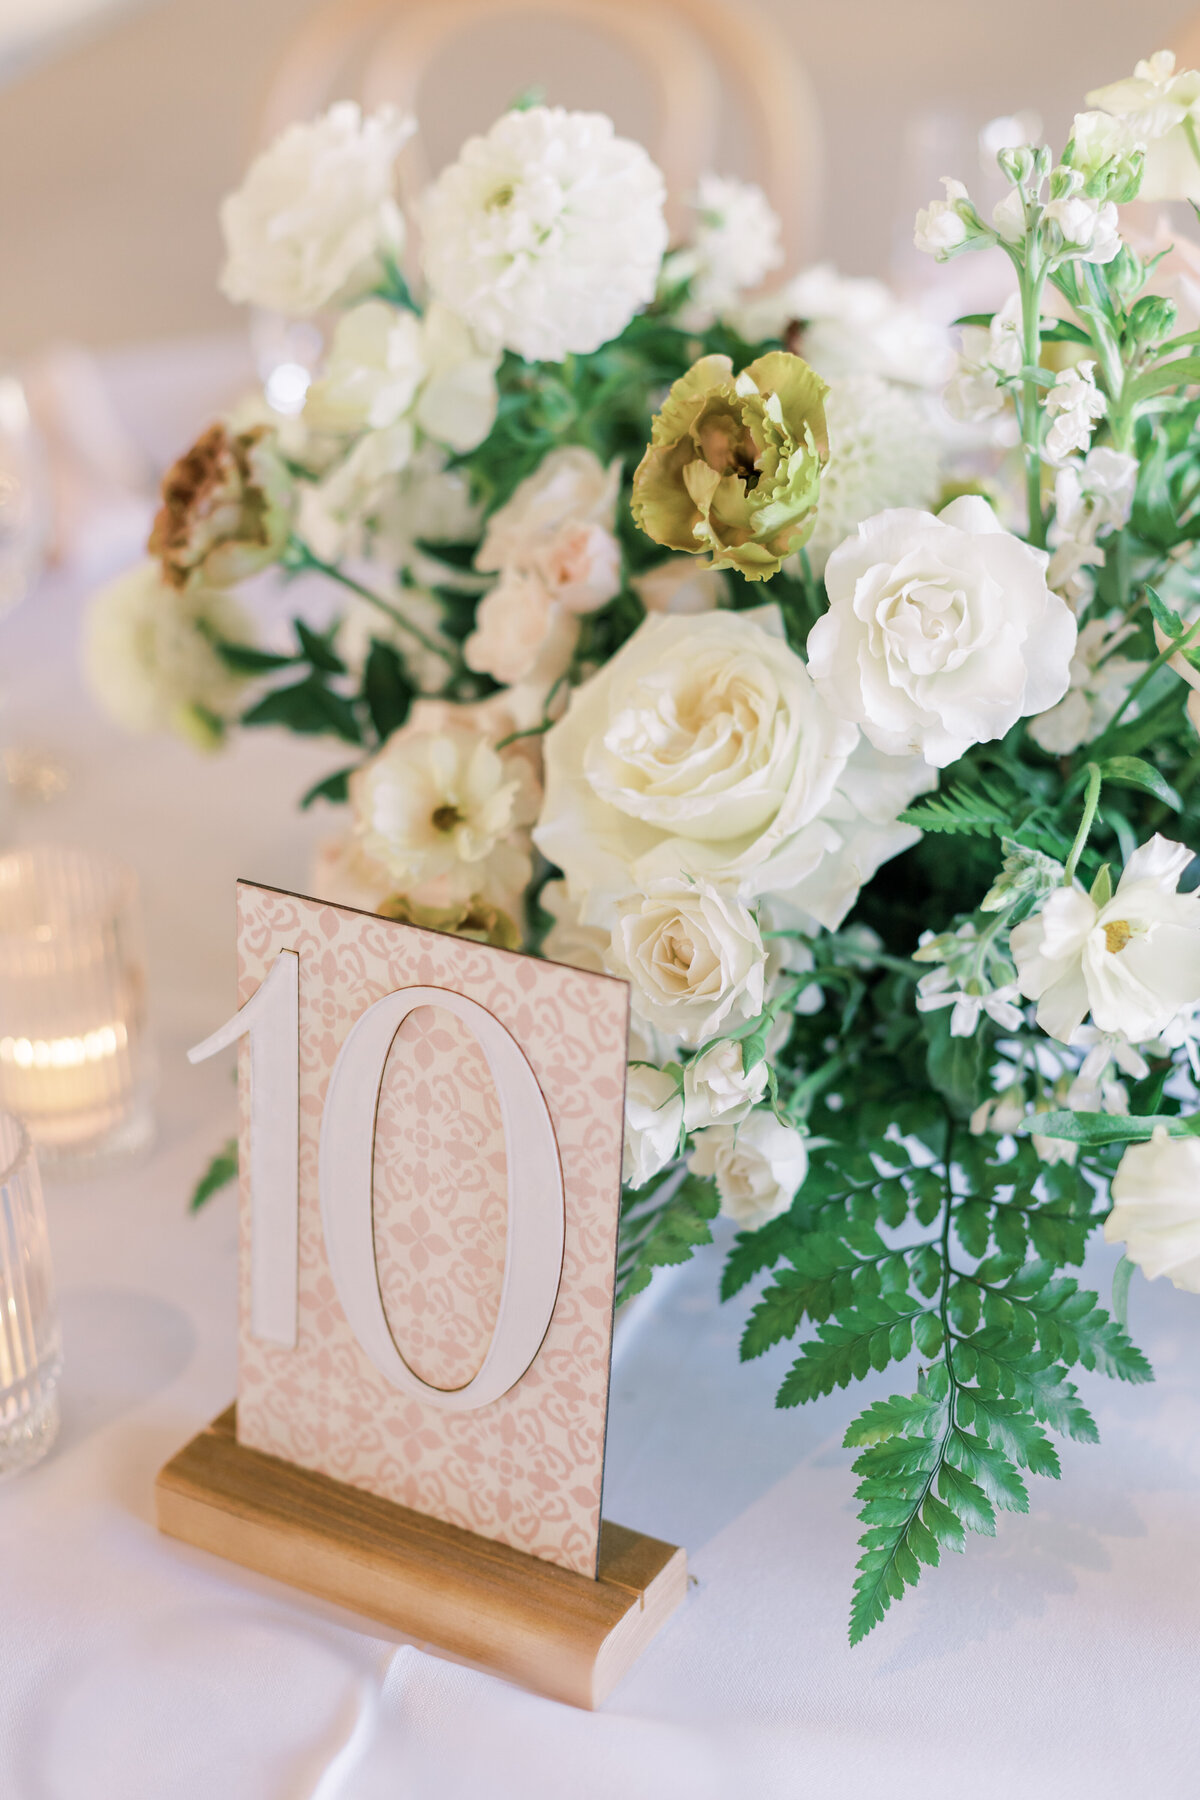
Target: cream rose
[
  {"x": 315, "y": 212},
  {"x": 716, "y": 1088},
  {"x": 653, "y": 1117},
  {"x": 1156, "y": 1209},
  {"x": 941, "y": 631},
  {"x": 693, "y": 957},
  {"x": 701, "y": 748},
  {"x": 759, "y": 1165},
  {"x": 568, "y": 485},
  {"x": 680, "y": 586},
  {"x": 522, "y": 634}
]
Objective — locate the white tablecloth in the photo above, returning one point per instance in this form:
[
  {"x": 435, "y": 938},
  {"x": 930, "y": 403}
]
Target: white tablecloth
[{"x": 1059, "y": 1660}]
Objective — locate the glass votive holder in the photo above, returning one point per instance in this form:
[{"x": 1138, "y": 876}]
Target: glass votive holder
[
  {"x": 30, "y": 1344},
  {"x": 75, "y": 1059}
]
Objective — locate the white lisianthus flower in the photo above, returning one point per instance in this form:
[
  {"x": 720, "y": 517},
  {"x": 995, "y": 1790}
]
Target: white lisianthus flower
[
  {"x": 759, "y": 1167},
  {"x": 458, "y": 399},
  {"x": 336, "y": 511},
  {"x": 445, "y": 812},
  {"x": 693, "y": 956},
  {"x": 700, "y": 748},
  {"x": 680, "y": 585},
  {"x": 849, "y": 325},
  {"x": 653, "y": 1117},
  {"x": 990, "y": 354},
  {"x": 316, "y": 212},
  {"x": 717, "y": 1090},
  {"x": 568, "y": 939},
  {"x": 941, "y": 631},
  {"x": 1083, "y": 228},
  {"x": 1162, "y": 109},
  {"x": 941, "y": 228},
  {"x": 1073, "y": 405},
  {"x": 148, "y": 656},
  {"x": 546, "y": 235},
  {"x": 372, "y": 372},
  {"x": 1156, "y": 1208},
  {"x": 883, "y": 452},
  {"x": 345, "y": 875},
  {"x": 1133, "y": 963},
  {"x": 735, "y": 244},
  {"x": 1100, "y": 681}
]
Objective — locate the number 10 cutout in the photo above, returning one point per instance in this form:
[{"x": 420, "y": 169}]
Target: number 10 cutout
[{"x": 399, "y": 1087}]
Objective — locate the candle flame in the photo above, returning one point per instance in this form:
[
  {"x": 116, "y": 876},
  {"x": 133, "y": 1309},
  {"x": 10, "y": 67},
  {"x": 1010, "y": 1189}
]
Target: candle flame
[{"x": 64, "y": 1052}]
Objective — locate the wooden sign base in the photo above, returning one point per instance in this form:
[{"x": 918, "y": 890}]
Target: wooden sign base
[{"x": 531, "y": 1621}]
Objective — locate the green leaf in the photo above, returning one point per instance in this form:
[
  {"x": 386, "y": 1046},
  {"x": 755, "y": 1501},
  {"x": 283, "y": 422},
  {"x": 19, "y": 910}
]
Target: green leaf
[
  {"x": 663, "y": 1233},
  {"x": 387, "y": 689},
  {"x": 1175, "y": 628},
  {"x": 334, "y": 788},
  {"x": 967, "y": 1500},
  {"x": 244, "y": 659},
  {"x": 778, "y": 1315},
  {"x": 985, "y": 810},
  {"x": 1181, "y": 371},
  {"x": 1133, "y": 771},
  {"x": 1122, "y": 1276},
  {"x": 1094, "y": 1129},
  {"x": 956, "y": 1065},
  {"x": 318, "y": 648},
  {"x": 754, "y": 1251},
  {"x": 308, "y": 708},
  {"x": 847, "y": 1349},
  {"x": 220, "y": 1172}
]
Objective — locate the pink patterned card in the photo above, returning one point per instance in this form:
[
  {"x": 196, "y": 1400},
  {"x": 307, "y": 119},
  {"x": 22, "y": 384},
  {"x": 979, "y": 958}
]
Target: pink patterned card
[{"x": 525, "y": 1469}]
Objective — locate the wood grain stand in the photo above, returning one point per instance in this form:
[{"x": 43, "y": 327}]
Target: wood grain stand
[{"x": 529, "y": 1620}]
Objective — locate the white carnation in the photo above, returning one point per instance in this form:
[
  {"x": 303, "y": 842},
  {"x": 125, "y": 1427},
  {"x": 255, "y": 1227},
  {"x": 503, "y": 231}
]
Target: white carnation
[
  {"x": 653, "y": 1116},
  {"x": 759, "y": 1166},
  {"x": 941, "y": 631},
  {"x": 693, "y": 957},
  {"x": 1156, "y": 1208},
  {"x": 315, "y": 212},
  {"x": 1133, "y": 963},
  {"x": 149, "y": 659},
  {"x": 883, "y": 452},
  {"x": 546, "y": 235},
  {"x": 735, "y": 244}
]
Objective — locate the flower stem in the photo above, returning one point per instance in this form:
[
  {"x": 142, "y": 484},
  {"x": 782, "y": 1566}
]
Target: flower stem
[
  {"x": 1091, "y": 802},
  {"x": 1032, "y": 282},
  {"x": 304, "y": 558}
]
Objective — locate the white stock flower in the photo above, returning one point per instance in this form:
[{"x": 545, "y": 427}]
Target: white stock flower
[
  {"x": 736, "y": 242},
  {"x": 1086, "y": 228},
  {"x": 1134, "y": 962},
  {"x": 990, "y": 353},
  {"x": 1100, "y": 138},
  {"x": 315, "y": 212},
  {"x": 693, "y": 956},
  {"x": 716, "y": 1088},
  {"x": 1156, "y": 1208},
  {"x": 1100, "y": 681},
  {"x": 700, "y": 748},
  {"x": 1008, "y": 216},
  {"x": 940, "y": 226},
  {"x": 883, "y": 452},
  {"x": 849, "y": 325},
  {"x": 547, "y": 234},
  {"x": 1162, "y": 110},
  {"x": 937, "y": 990},
  {"x": 443, "y": 811},
  {"x": 941, "y": 631},
  {"x": 1073, "y": 405},
  {"x": 653, "y": 1116},
  {"x": 1090, "y": 497},
  {"x": 759, "y": 1166},
  {"x": 372, "y": 372},
  {"x": 148, "y": 656},
  {"x": 680, "y": 585}
]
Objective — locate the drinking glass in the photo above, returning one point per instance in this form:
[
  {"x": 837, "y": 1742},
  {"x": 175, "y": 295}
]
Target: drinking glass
[
  {"x": 30, "y": 1345},
  {"x": 75, "y": 1060}
]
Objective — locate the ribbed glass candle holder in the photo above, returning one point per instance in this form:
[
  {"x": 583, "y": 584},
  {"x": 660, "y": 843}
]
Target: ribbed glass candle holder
[
  {"x": 75, "y": 1062},
  {"x": 30, "y": 1345}
]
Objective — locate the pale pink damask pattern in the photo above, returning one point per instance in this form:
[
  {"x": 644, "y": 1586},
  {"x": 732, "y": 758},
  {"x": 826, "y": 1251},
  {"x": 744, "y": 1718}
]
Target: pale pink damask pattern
[{"x": 527, "y": 1469}]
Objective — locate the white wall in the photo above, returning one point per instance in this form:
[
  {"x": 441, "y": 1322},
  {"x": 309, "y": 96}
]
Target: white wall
[{"x": 114, "y": 153}]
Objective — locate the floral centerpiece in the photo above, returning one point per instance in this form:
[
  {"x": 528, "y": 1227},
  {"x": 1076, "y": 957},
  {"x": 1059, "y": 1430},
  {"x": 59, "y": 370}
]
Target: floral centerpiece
[{"x": 838, "y": 692}]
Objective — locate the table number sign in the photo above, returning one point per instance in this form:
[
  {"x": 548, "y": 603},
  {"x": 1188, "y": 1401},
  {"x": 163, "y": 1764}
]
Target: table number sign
[{"x": 430, "y": 1171}]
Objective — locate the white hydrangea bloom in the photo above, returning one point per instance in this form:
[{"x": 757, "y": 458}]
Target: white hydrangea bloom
[
  {"x": 1156, "y": 1208},
  {"x": 1073, "y": 405},
  {"x": 1161, "y": 107},
  {"x": 990, "y": 353},
  {"x": 546, "y": 235},
  {"x": 315, "y": 213},
  {"x": 736, "y": 243},
  {"x": 884, "y": 450},
  {"x": 148, "y": 656}
]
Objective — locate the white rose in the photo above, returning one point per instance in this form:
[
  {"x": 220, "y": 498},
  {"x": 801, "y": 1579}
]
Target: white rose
[
  {"x": 443, "y": 811},
  {"x": 570, "y": 485},
  {"x": 315, "y": 212},
  {"x": 701, "y": 747},
  {"x": 693, "y": 956},
  {"x": 372, "y": 372},
  {"x": 679, "y": 585},
  {"x": 759, "y": 1166},
  {"x": 717, "y": 1089},
  {"x": 941, "y": 632},
  {"x": 458, "y": 399},
  {"x": 148, "y": 655},
  {"x": 653, "y": 1116},
  {"x": 522, "y": 633},
  {"x": 1156, "y": 1208},
  {"x": 581, "y": 566},
  {"x": 1134, "y": 962}
]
